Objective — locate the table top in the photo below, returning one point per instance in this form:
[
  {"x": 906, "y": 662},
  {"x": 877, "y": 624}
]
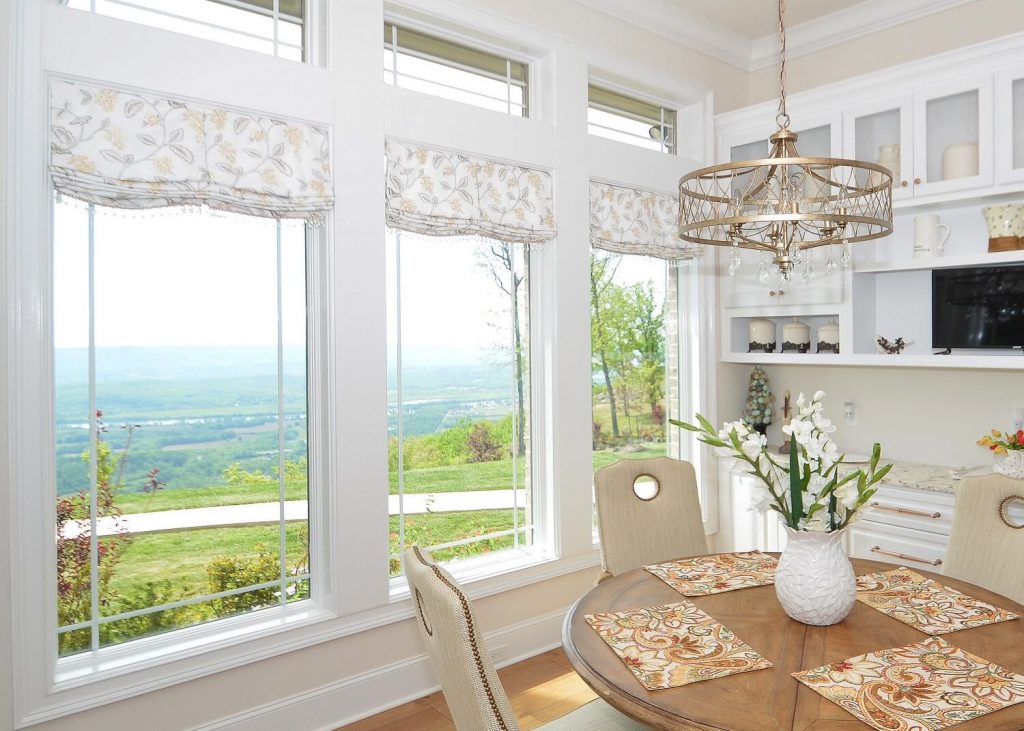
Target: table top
[{"x": 771, "y": 699}]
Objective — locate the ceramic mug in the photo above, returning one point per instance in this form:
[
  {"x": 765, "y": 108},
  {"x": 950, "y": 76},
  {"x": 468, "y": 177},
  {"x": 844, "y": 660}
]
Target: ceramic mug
[{"x": 930, "y": 236}]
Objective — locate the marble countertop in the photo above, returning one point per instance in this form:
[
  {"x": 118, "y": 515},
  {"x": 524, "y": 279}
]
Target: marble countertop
[{"x": 923, "y": 476}]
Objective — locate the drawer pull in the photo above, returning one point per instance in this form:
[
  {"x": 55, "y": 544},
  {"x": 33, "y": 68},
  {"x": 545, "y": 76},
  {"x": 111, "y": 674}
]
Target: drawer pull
[
  {"x": 907, "y": 556},
  {"x": 906, "y": 511}
]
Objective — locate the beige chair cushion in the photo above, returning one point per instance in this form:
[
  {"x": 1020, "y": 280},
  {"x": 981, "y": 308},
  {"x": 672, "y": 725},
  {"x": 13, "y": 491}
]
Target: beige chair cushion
[
  {"x": 636, "y": 532},
  {"x": 982, "y": 548},
  {"x": 452, "y": 635}
]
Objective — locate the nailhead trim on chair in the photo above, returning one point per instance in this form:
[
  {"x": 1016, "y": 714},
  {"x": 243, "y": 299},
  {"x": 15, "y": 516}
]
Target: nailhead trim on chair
[{"x": 477, "y": 659}]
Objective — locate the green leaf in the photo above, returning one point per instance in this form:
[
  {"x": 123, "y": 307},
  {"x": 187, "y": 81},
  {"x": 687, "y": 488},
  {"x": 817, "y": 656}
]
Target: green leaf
[
  {"x": 708, "y": 426},
  {"x": 796, "y": 508}
]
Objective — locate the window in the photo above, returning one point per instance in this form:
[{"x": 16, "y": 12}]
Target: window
[
  {"x": 417, "y": 61},
  {"x": 645, "y": 357},
  {"x": 458, "y": 396},
  {"x": 630, "y": 120},
  {"x": 181, "y": 420},
  {"x": 273, "y": 27}
]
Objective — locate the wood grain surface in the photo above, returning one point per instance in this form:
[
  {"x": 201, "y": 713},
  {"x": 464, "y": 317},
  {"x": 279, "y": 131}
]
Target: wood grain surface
[{"x": 766, "y": 700}]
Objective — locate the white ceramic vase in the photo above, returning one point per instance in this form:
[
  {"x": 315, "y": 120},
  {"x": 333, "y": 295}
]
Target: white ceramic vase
[
  {"x": 815, "y": 582},
  {"x": 1012, "y": 464}
]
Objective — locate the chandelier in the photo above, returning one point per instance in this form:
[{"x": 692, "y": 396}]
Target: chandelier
[{"x": 786, "y": 204}]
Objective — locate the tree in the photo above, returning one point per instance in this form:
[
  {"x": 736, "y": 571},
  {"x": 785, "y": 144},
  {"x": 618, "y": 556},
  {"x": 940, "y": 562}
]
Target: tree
[
  {"x": 602, "y": 337},
  {"x": 648, "y": 333},
  {"x": 499, "y": 260}
]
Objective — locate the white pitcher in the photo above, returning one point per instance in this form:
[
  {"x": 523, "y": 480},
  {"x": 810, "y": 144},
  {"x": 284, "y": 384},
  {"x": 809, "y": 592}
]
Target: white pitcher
[{"x": 930, "y": 236}]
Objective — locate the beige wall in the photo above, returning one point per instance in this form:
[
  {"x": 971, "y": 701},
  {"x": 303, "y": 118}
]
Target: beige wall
[
  {"x": 917, "y": 414},
  {"x": 586, "y": 26},
  {"x": 965, "y": 25}
]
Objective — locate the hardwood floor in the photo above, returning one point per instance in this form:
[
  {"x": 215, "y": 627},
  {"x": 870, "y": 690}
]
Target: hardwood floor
[{"x": 540, "y": 689}]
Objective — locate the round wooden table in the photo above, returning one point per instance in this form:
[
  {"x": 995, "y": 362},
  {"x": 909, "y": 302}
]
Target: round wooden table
[{"x": 771, "y": 699}]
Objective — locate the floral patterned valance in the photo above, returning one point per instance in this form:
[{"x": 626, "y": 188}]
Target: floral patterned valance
[
  {"x": 635, "y": 221},
  {"x": 443, "y": 193},
  {"x": 125, "y": 149}
]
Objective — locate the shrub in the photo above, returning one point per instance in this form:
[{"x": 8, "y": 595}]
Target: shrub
[
  {"x": 225, "y": 573},
  {"x": 482, "y": 445}
]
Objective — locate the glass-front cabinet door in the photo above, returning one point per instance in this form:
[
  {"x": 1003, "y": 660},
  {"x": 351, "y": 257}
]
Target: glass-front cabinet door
[
  {"x": 882, "y": 133},
  {"x": 953, "y": 137},
  {"x": 1010, "y": 126}
]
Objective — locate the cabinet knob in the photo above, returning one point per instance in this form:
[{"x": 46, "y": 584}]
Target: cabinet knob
[
  {"x": 903, "y": 184},
  {"x": 917, "y": 181},
  {"x": 773, "y": 293}
]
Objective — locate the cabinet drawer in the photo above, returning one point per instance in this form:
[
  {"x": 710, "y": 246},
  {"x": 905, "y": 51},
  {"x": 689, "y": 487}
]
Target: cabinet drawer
[
  {"x": 901, "y": 546},
  {"x": 916, "y": 509}
]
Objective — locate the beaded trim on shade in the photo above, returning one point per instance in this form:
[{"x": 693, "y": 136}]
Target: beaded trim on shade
[
  {"x": 636, "y": 221},
  {"x": 124, "y": 149},
  {"x": 444, "y": 193}
]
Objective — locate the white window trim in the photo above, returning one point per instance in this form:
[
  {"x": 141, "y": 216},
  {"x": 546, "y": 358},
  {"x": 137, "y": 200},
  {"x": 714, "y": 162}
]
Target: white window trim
[{"x": 350, "y": 277}]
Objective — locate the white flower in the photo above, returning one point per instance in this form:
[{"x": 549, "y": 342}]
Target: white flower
[
  {"x": 818, "y": 395},
  {"x": 848, "y": 495},
  {"x": 761, "y": 499},
  {"x": 817, "y": 524}
]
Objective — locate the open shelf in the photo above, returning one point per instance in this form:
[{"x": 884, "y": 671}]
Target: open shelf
[
  {"x": 940, "y": 262},
  {"x": 992, "y": 362}
]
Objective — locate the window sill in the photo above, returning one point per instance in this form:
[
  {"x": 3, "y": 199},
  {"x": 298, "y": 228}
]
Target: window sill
[
  {"x": 496, "y": 573},
  {"x": 150, "y": 664}
]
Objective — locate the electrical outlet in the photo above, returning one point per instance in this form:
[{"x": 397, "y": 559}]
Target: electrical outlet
[
  {"x": 849, "y": 413},
  {"x": 499, "y": 654}
]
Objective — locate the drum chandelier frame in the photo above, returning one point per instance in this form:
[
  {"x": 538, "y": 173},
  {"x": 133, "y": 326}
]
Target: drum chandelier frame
[{"x": 786, "y": 204}]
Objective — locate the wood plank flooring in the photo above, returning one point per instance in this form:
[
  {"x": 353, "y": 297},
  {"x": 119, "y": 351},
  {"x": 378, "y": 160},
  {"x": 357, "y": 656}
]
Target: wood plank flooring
[{"x": 540, "y": 689}]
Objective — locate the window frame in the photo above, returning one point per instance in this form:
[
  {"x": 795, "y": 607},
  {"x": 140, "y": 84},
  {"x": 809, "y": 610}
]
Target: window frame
[
  {"x": 458, "y": 44},
  {"x": 541, "y": 550},
  {"x": 668, "y": 115}
]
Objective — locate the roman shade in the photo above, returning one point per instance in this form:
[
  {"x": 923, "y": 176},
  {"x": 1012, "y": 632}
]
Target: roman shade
[
  {"x": 636, "y": 221},
  {"x": 444, "y": 193},
  {"x": 129, "y": 149}
]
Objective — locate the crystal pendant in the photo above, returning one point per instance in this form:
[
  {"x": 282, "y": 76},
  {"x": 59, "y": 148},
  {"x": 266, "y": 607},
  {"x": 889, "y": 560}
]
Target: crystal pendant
[
  {"x": 830, "y": 264},
  {"x": 734, "y": 261},
  {"x": 845, "y": 258}
]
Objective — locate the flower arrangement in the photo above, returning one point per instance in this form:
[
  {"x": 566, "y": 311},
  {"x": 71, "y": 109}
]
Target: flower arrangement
[
  {"x": 806, "y": 488},
  {"x": 1001, "y": 443}
]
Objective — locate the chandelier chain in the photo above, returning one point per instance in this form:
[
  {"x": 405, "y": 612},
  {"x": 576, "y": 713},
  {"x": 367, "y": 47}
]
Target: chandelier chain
[{"x": 783, "y": 116}]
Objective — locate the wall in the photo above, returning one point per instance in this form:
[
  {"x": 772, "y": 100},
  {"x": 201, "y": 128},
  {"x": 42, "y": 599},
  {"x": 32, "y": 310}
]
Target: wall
[
  {"x": 916, "y": 414},
  {"x": 964, "y": 25}
]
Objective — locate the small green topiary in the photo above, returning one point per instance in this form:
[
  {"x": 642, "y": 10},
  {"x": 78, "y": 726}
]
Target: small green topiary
[{"x": 759, "y": 412}]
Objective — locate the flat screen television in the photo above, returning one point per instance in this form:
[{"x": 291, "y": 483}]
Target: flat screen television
[{"x": 978, "y": 307}]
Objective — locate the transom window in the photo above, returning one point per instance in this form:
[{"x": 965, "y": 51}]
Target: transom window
[
  {"x": 634, "y": 121},
  {"x": 414, "y": 60},
  {"x": 458, "y": 396},
  {"x": 181, "y": 420},
  {"x": 274, "y": 27}
]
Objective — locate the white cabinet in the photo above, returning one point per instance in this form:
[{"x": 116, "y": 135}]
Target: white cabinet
[
  {"x": 883, "y": 132},
  {"x": 953, "y": 130},
  {"x": 1009, "y": 104},
  {"x": 745, "y": 288},
  {"x": 904, "y": 526}
]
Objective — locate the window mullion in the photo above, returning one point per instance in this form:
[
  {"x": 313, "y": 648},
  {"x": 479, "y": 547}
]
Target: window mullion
[
  {"x": 400, "y": 464},
  {"x": 282, "y": 537},
  {"x": 94, "y": 551}
]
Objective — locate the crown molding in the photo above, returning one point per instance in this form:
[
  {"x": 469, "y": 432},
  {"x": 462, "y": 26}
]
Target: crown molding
[
  {"x": 662, "y": 18},
  {"x": 841, "y": 26}
]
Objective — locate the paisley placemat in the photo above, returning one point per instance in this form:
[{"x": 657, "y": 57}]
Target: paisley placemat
[
  {"x": 720, "y": 572},
  {"x": 674, "y": 645},
  {"x": 925, "y": 604},
  {"x": 926, "y": 686}
]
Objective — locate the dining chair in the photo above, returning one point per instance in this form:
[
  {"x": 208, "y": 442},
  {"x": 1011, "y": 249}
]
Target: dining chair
[
  {"x": 471, "y": 687},
  {"x": 642, "y": 523},
  {"x": 986, "y": 546}
]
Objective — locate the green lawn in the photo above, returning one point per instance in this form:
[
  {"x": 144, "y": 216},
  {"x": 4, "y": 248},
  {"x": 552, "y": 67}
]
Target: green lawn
[
  {"x": 182, "y": 556},
  {"x": 428, "y": 529},
  {"x": 207, "y": 497}
]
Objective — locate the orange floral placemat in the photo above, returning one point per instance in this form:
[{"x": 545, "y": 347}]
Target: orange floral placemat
[
  {"x": 925, "y": 604},
  {"x": 926, "y": 686},
  {"x": 720, "y": 572},
  {"x": 674, "y": 645}
]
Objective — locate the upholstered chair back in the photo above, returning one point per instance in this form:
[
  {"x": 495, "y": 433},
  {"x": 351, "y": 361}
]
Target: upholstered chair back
[
  {"x": 636, "y": 531},
  {"x": 452, "y": 635},
  {"x": 986, "y": 546}
]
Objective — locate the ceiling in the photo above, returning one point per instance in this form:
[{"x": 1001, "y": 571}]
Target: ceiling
[
  {"x": 755, "y": 18},
  {"x": 744, "y": 33}
]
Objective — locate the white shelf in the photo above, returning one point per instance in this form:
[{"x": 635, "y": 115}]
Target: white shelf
[
  {"x": 991, "y": 362},
  {"x": 939, "y": 262}
]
